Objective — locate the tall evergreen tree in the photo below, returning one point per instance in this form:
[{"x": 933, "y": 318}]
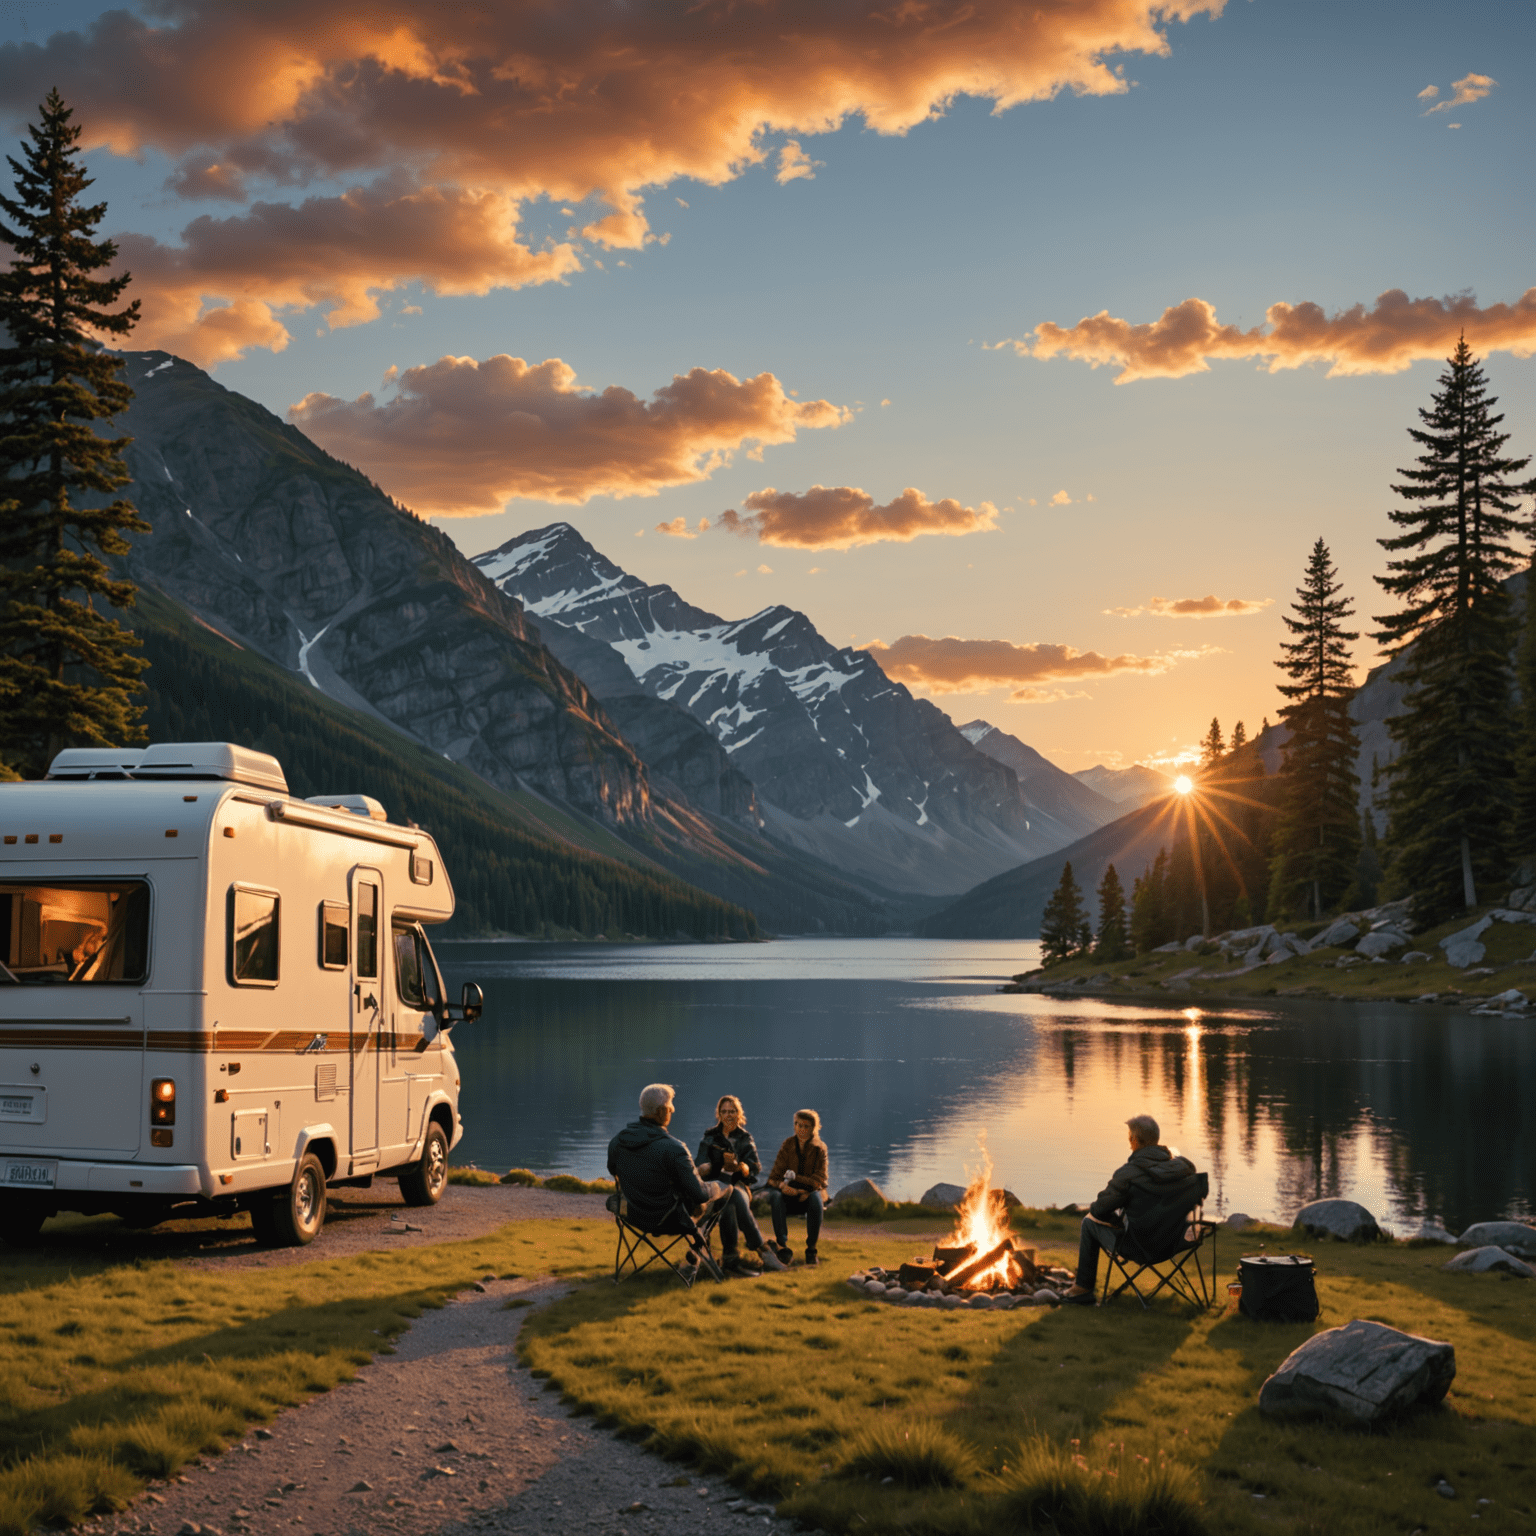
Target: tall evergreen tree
[
  {"x": 1113, "y": 941},
  {"x": 1212, "y": 747},
  {"x": 1523, "y": 834},
  {"x": 1239, "y": 736},
  {"x": 1064, "y": 927},
  {"x": 1451, "y": 784},
  {"x": 1317, "y": 841},
  {"x": 1151, "y": 921},
  {"x": 68, "y": 668}
]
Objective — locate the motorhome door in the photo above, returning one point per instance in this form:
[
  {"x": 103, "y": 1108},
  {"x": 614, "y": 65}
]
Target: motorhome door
[{"x": 367, "y": 1014}]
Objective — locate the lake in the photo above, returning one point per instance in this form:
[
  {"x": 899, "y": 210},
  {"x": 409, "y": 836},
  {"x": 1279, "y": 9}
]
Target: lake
[{"x": 915, "y": 1061}]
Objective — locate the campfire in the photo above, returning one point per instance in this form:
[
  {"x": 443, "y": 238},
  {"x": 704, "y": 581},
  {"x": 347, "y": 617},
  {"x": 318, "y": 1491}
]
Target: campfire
[{"x": 980, "y": 1264}]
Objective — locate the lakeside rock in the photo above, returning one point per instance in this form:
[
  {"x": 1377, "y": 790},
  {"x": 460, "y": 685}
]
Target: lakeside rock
[
  {"x": 943, "y": 1197},
  {"x": 1345, "y": 1220},
  {"x": 860, "y": 1189},
  {"x": 1362, "y": 1372},
  {"x": 1481, "y": 1261},
  {"x": 1516, "y": 1237}
]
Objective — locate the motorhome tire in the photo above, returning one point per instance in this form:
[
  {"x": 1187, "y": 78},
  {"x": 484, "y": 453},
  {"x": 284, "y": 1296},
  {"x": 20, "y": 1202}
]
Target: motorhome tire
[
  {"x": 299, "y": 1213},
  {"x": 428, "y": 1177}
]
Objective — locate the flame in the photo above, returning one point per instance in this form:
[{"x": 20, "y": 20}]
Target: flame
[{"x": 982, "y": 1220}]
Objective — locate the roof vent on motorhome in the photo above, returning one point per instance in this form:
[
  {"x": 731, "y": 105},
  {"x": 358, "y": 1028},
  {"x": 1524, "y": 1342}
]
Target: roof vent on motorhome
[
  {"x": 95, "y": 763},
  {"x": 359, "y": 805},
  {"x": 212, "y": 760}
]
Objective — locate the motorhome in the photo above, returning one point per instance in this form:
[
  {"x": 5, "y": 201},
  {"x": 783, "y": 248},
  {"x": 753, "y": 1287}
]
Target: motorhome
[{"x": 215, "y": 996}]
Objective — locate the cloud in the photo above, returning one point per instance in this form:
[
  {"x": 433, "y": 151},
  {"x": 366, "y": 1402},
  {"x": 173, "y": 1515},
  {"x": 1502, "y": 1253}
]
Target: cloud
[
  {"x": 1467, "y": 90},
  {"x": 1197, "y": 607},
  {"x": 765, "y": 570},
  {"x": 843, "y": 517},
  {"x": 461, "y": 437},
  {"x": 1060, "y": 499},
  {"x": 339, "y": 253},
  {"x": 1429, "y": 93},
  {"x": 582, "y": 102},
  {"x": 678, "y": 528},
  {"x": 1392, "y": 336},
  {"x": 796, "y": 165},
  {"x": 951, "y": 665}
]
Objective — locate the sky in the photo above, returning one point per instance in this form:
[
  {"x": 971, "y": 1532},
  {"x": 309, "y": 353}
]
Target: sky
[{"x": 1030, "y": 345}]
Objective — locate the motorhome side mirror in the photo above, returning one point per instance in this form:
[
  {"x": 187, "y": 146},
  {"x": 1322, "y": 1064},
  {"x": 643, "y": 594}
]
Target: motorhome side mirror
[{"x": 472, "y": 1000}]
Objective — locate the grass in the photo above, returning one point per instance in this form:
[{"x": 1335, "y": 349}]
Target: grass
[
  {"x": 113, "y": 1372},
  {"x": 562, "y": 1183},
  {"x": 1093, "y": 1422}
]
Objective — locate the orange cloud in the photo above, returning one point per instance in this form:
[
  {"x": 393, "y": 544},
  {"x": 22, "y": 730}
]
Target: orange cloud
[
  {"x": 796, "y": 165},
  {"x": 1395, "y": 334},
  {"x": 843, "y": 517},
  {"x": 1468, "y": 89},
  {"x": 340, "y": 253},
  {"x": 951, "y": 665},
  {"x": 678, "y": 528},
  {"x": 1197, "y": 607},
  {"x": 461, "y": 437},
  {"x": 526, "y": 100}
]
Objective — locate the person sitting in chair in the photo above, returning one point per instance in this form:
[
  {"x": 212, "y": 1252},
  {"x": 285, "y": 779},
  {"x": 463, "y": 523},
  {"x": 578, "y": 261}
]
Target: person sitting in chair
[
  {"x": 1141, "y": 1182},
  {"x": 657, "y": 1178},
  {"x": 729, "y": 1154},
  {"x": 798, "y": 1181}
]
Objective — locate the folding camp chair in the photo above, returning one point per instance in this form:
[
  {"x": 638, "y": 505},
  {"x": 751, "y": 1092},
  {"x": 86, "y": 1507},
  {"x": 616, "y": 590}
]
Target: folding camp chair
[
  {"x": 1166, "y": 1242},
  {"x": 694, "y": 1235}
]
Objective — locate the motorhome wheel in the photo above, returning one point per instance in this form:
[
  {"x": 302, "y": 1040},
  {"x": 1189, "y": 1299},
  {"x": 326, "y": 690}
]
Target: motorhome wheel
[
  {"x": 428, "y": 1178},
  {"x": 300, "y": 1212}
]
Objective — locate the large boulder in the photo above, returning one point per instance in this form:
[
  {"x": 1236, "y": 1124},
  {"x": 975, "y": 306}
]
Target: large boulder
[
  {"x": 860, "y": 1189},
  {"x": 1381, "y": 941},
  {"x": 1463, "y": 948},
  {"x": 1479, "y": 1261},
  {"x": 1336, "y": 934},
  {"x": 1343, "y": 1219},
  {"x": 943, "y": 1197},
  {"x": 1361, "y": 1372},
  {"x": 1513, "y": 1236}
]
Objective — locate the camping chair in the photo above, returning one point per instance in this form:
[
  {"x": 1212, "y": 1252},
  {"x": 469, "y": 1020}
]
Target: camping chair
[
  {"x": 1165, "y": 1241},
  {"x": 694, "y": 1235}
]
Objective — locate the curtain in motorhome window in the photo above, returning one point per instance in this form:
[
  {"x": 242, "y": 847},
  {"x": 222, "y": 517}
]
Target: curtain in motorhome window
[
  {"x": 335, "y": 949},
  {"x": 74, "y": 931},
  {"x": 253, "y": 936},
  {"x": 367, "y": 929}
]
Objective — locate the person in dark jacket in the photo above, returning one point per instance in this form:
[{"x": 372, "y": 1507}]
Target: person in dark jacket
[
  {"x": 799, "y": 1181},
  {"x": 728, "y": 1153},
  {"x": 1142, "y": 1181},
  {"x": 657, "y": 1178}
]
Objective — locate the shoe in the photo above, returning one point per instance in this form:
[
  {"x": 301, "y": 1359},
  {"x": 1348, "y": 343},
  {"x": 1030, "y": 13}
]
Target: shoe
[
  {"x": 771, "y": 1259},
  {"x": 811, "y": 1261},
  {"x": 785, "y": 1252},
  {"x": 1082, "y": 1299},
  {"x": 734, "y": 1264}
]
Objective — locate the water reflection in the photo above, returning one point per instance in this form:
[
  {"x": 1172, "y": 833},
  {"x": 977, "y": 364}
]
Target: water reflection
[{"x": 909, "y": 1053}]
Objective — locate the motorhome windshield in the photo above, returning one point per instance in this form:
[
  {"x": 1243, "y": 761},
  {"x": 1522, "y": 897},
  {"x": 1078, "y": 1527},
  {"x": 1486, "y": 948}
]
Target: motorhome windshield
[{"x": 74, "y": 932}]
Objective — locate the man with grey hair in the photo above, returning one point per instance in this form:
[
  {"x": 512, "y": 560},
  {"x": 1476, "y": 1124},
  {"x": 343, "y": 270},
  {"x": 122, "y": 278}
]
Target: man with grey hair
[
  {"x": 1150, "y": 1175},
  {"x": 657, "y": 1176}
]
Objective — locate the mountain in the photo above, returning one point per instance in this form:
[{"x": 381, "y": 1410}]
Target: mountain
[
  {"x": 1124, "y": 786},
  {"x": 1056, "y": 798},
  {"x": 847, "y": 765}
]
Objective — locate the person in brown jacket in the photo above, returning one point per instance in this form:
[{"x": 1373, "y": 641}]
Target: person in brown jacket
[{"x": 797, "y": 1184}]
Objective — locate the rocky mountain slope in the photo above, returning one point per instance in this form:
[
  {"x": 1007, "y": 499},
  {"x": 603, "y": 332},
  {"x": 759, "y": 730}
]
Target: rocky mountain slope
[
  {"x": 1055, "y": 797},
  {"x": 1124, "y": 786},
  {"x": 848, "y": 766}
]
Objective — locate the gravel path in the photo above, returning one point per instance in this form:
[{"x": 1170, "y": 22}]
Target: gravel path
[{"x": 447, "y": 1435}]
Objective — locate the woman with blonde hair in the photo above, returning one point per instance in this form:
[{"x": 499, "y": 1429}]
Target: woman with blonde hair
[
  {"x": 799, "y": 1184},
  {"x": 728, "y": 1154}
]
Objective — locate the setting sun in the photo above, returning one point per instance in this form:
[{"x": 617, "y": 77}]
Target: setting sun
[{"x": 1183, "y": 784}]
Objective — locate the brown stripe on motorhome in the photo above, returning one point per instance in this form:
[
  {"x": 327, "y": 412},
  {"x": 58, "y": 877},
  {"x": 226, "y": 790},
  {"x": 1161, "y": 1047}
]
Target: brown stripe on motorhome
[{"x": 81, "y": 1035}]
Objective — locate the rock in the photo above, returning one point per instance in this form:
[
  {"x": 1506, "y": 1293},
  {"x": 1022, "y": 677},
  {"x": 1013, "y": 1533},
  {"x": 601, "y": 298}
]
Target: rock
[
  {"x": 1517, "y": 1237},
  {"x": 1238, "y": 1220},
  {"x": 1172, "y": 947},
  {"x": 1380, "y": 941},
  {"x": 1006, "y": 1302},
  {"x": 860, "y": 1189},
  {"x": 952, "y": 1302},
  {"x": 265, "y": 1434},
  {"x": 943, "y": 1197},
  {"x": 874, "y": 1288},
  {"x": 1462, "y": 948},
  {"x": 1413, "y": 956},
  {"x": 1509, "y": 915},
  {"x": 440, "y": 1472},
  {"x": 190, "y": 1528},
  {"x": 1046, "y": 1297},
  {"x": 360, "y": 1486},
  {"x": 858, "y": 1284},
  {"x": 1425, "y": 997},
  {"x": 1513, "y": 998},
  {"x": 1433, "y": 1232},
  {"x": 1522, "y": 898},
  {"x": 1362, "y": 1372},
  {"x": 916, "y": 1298},
  {"x": 895, "y": 1293},
  {"x": 1479, "y": 1261},
  {"x": 980, "y": 1301},
  {"x": 1343, "y": 1219},
  {"x": 1445, "y": 1490},
  {"x": 1336, "y": 934}
]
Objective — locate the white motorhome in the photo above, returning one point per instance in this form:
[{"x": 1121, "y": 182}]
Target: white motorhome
[{"x": 215, "y": 996}]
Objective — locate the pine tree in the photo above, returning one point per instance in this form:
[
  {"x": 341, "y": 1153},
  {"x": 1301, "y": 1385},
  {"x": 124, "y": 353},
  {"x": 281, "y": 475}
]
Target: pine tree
[
  {"x": 67, "y": 671},
  {"x": 1317, "y": 841},
  {"x": 1151, "y": 922},
  {"x": 1523, "y": 834},
  {"x": 1113, "y": 941},
  {"x": 1239, "y": 736},
  {"x": 1212, "y": 747},
  {"x": 1064, "y": 928},
  {"x": 1451, "y": 784}
]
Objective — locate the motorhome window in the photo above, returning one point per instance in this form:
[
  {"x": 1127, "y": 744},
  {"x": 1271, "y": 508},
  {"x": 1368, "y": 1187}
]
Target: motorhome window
[
  {"x": 334, "y": 936},
  {"x": 80, "y": 932},
  {"x": 253, "y": 937},
  {"x": 415, "y": 974},
  {"x": 367, "y": 929}
]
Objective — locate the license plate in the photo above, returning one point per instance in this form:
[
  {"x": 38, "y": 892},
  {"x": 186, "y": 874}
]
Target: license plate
[{"x": 28, "y": 1175}]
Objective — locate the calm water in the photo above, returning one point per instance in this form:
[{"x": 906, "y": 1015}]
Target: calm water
[{"x": 914, "y": 1059}]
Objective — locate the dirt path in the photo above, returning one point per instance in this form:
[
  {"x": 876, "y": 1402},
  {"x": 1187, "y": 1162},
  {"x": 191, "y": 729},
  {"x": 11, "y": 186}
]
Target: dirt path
[{"x": 447, "y": 1435}]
